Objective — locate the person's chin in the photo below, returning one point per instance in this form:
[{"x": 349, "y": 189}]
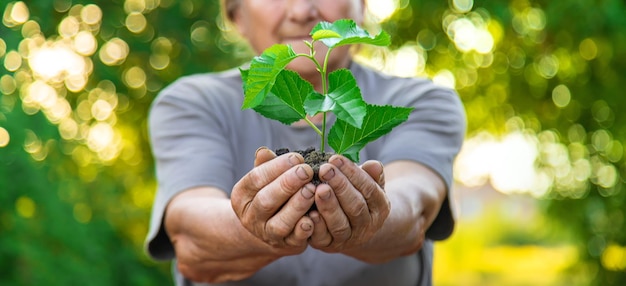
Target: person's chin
[{"x": 298, "y": 45}]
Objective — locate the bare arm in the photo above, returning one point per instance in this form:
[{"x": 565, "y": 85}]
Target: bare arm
[
  {"x": 416, "y": 194},
  {"x": 210, "y": 243},
  {"x": 388, "y": 220},
  {"x": 214, "y": 244}
]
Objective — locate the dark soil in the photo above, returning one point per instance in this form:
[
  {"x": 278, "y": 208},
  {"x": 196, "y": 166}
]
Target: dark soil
[{"x": 312, "y": 157}]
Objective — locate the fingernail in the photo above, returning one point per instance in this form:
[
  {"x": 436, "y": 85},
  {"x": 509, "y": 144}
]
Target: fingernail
[
  {"x": 258, "y": 150},
  {"x": 337, "y": 161},
  {"x": 329, "y": 175},
  {"x": 326, "y": 195},
  {"x": 307, "y": 191},
  {"x": 306, "y": 226},
  {"x": 315, "y": 217},
  {"x": 294, "y": 160},
  {"x": 301, "y": 173}
]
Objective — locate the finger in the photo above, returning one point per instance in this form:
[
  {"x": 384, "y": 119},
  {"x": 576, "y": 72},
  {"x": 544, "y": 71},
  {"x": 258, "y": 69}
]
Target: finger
[
  {"x": 262, "y": 175},
  {"x": 284, "y": 222},
  {"x": 273, "y": 196},
  {"x": 301, "y": 233},
  {"x": 262, "y": 155},
  {"x": 376, "y": 170},
  {"x": 350, "y": 199},
  {"x": 370, "y": 190},
  {"x": 320, "y": 238},
  {"x": 247, "y": 188},
  {"x": 333, "y": 215}
]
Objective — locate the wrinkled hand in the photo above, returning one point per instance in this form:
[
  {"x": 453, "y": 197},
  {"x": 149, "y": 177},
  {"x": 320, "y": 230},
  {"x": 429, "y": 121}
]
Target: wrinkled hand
[
  {"x": 351, "y": 205},
  {"x": 212, "y": 250},
  {"x": 272, "y": 199}
]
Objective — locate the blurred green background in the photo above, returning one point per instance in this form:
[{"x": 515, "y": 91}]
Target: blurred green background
[{"x": 540, "y": 181}]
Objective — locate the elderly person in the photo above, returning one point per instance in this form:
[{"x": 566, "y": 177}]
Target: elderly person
[{"x": 374, "y": 222}]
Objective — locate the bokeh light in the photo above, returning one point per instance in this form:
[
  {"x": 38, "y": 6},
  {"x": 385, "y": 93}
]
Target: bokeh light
[
  {"x": 85, "y": 43},
  {"x": 561, "y": 96},
  {"x": 7, "y": 85},
  {"x": 542, "y": 98},
  {"x": 381, "y": 9},
  {"x": 134, "y": 77},
  {"x": 56, "y": 62},
  {"x": 462, "y": 6},
  {"x": 136, "y": 22},
  {"x": 15, "y": 14},
  {"x": 25, "y": 207},
  {"x": 91, "y": 14},
  {"x": 4, "y": 137},
  {"x": 469, "y": 33},
  {"x": 69, "y": 27},
  {"x": 3, "y": 47},
  {"x": 114, "y": 52},
  {"x": 12, "y": 61},
  {"x": 614, "y": 257},
  {"x": 445, "y": 78},
  {"x": 508, "y": 164}
]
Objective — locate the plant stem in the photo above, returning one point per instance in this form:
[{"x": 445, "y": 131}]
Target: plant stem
[
  {"x": 325, "y": 90},
  {"x": 323, "y": 72},
  {"x": 317, "y": 130}
]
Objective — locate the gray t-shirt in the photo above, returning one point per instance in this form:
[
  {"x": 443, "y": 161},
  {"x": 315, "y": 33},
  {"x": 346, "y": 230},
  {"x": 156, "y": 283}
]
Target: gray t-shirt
[{"x": 201, "y": 137}]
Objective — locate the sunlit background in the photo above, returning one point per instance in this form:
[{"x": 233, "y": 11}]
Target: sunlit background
[{"x": 539, "y": 182}]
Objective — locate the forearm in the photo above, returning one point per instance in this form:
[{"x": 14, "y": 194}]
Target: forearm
[
  {"x": 208, "y": 237},
  {"x": 416, "y": 194}
]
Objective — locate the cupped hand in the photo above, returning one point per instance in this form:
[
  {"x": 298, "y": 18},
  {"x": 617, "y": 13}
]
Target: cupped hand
[
  {"x": 272, "y": 200},
  {"x": 351, "y": 205}
]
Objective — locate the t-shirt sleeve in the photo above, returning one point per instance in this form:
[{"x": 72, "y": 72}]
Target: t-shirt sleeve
[
  {"x": 432, "y": 136},
  {"x": 184, "y": 130}
]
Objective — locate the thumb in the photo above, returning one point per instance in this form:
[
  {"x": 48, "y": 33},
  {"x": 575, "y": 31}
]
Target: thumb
[
  {"x": 262, "y": 155},
  {"x": 376, "y": 170}
]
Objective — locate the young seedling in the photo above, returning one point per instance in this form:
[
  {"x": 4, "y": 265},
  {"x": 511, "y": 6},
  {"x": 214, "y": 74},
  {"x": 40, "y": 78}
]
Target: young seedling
[{"x": 281, "y": 94}]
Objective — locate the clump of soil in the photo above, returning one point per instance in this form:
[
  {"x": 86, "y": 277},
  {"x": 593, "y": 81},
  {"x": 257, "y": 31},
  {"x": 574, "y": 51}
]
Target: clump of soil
[{"x": 312, "y": 157}]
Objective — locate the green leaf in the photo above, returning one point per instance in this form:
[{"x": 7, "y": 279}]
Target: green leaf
[
  {"x": 324, "y": 34},
  {"x": 345, "y": 93},
  {"x": 349, "y": 33},
  {"x": 348, "y": 140},
  {"x": 244, "y": 77},
  {"x": 344, "y": 99},
  {"x": 286, "y": 99},
  {"x": 263, "y": 72},
  {"x": 317, "y": 102}
]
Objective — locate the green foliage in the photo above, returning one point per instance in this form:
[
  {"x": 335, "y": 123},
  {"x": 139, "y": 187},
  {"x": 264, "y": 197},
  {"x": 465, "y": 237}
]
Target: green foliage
[
  {"x": 347, "y": 139},
  {"x": 41, "y": 202},
  {"x": 539, "y": 48},
  {"x": 346, "y": 32},
  {"x": 69, "y": 213},
  {"x": 263, "y": 72},
  {"x": 288, "y": 108},
  {"x": 283, "y": 95},
  {"x": 343, "y": 99}
]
